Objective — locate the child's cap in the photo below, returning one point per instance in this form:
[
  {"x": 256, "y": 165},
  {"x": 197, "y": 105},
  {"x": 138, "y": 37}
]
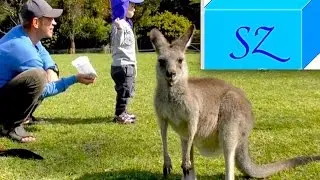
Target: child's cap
[
  {"x": 120, "y": 7},
  {"x": 136, "y": 1},
  {"x": 117, "y": 2}
]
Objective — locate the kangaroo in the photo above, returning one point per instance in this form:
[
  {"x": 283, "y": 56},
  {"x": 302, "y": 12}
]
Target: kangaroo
[{"x": 207, "y": 113}]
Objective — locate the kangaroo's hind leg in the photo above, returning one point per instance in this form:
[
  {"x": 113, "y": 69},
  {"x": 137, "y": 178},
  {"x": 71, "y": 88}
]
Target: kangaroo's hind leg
[
  {"x": 229, "y": 141},
  {"x": 231, "y": 119}
]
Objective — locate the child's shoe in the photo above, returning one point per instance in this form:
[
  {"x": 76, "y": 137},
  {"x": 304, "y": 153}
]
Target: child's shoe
[{"x": 123, "y": 118}]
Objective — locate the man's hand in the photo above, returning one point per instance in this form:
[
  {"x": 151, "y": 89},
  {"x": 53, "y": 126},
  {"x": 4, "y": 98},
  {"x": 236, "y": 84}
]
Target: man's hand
[
  {"x": 52, "y": 76},
  {"x": 85, "y": 78}
]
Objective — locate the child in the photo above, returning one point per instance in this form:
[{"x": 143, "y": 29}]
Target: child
[{"x": 123, "y": 68}]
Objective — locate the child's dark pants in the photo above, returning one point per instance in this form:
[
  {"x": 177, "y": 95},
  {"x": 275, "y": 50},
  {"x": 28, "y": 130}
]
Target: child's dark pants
[{"x": 124, "y": 78}]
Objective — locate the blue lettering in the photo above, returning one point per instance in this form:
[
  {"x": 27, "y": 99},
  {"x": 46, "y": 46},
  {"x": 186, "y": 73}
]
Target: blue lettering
[
  {"x": 243, "y": 42},
  {"x": 256, "y": 50}
]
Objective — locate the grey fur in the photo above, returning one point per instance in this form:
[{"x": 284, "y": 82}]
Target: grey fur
[{"x": 207, "y": 113}]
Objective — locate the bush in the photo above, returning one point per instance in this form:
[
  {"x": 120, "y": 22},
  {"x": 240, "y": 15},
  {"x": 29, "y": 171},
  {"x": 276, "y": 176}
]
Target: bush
[
  {"x": 171, "y": 25},
  {"x": 50, "y": 43},
  {"x": 95, "y": 29},
  {"x": 196, "y": 36}
]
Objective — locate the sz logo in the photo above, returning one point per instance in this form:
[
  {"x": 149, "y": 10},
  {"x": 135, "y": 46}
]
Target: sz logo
[{"x": 257, "y": 48}]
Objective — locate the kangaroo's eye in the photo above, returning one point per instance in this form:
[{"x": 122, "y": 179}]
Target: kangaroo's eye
[
  {"x": 162, "y": 62},
  {"x": 180, "y": 60}
]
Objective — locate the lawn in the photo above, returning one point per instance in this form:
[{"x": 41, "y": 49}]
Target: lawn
[{"x": 79, "y": 140}]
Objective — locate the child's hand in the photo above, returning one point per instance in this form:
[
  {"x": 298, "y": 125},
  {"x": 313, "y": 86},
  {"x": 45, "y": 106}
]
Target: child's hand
[{"x": 117, "y": 23}]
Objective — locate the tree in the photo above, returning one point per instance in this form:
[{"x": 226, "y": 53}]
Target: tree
[
  {"x": 97, "y": 8},
  {"x": 146, "y": 9},
  {"x": 83, "y": 19},
  {"x": 10, "y": 14},
  {"x": 70, "y": 21},
  {"x": 187, "y": 8},
  {"x": 95, "y": 30}
]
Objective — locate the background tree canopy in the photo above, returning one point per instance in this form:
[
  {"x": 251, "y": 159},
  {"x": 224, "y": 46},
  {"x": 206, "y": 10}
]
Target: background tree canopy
[{"x": 87, "y": 23}]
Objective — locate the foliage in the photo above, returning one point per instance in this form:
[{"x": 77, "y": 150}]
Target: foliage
[
  {"x": 196, "y": 36},
  {"x": 146, "y": 9},
  {"x": 171, "y": 25},
  {"x": 97, "y": 8},
  {"x": 95, "y": 28},
  {"x": 4, "y": 13},
  {"x": 84, "y": 19},
  {"x": 12, "y": 8},
  {"x": 196, "y": 1},
  {"x": 10, "y": 14},
  {"x": 50, "y": 43},
  {"x": 186, "y": 8},
  {"x": 70, "y": 21}
]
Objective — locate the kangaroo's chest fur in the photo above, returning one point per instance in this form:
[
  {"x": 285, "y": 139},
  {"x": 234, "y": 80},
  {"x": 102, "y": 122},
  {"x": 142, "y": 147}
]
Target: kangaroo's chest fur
[
  {"x": 197, "y": 101},
  {"x": 171, "y": 105}
]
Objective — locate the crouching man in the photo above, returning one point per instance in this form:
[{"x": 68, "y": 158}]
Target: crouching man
[{"x": 27, "y": 72}]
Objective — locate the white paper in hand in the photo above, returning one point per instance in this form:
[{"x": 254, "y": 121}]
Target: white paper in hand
[{"x": 84, "y": 66}]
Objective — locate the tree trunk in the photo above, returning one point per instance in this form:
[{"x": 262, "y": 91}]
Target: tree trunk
[{"x": 72, "y": 49}]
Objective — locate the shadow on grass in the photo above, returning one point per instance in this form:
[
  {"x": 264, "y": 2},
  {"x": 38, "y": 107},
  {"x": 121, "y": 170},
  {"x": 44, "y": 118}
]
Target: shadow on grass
[
  {"x": 144, "y": 175},
  {"x": 72, "y": 121},
  {"x": 20, "y": 153}
]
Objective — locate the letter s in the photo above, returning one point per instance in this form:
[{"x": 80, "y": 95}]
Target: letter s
[{"x": 243, "y": 42}]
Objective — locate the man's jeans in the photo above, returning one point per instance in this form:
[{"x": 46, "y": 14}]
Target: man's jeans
[
  {"x": 124, "y": 78},
  {"x": 19, "y": 96}
]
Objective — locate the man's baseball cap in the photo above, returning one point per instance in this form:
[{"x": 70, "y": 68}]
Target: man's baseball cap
[{"x": 39, "y": 8}]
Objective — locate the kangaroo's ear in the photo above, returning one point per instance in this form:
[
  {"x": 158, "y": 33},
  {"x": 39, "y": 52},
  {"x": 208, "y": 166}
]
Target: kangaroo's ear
[
  {"x": 185, "y": 40},
  {"x": 158, "y": 40}
]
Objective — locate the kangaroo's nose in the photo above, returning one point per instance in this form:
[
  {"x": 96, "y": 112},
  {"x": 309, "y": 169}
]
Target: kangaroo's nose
[{"x": 170, "y": 74}]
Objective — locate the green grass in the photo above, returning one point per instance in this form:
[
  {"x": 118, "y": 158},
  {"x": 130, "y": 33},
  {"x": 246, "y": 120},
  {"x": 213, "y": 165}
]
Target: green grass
[{"x": 81, "y": 142}]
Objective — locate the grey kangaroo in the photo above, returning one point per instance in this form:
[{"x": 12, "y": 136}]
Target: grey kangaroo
[{"x": 207, "y": 113}]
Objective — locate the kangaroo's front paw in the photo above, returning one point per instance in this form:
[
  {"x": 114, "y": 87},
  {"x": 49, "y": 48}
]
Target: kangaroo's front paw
[
  {"x": 186, "y": 168},
  {"x": 167, "y": 169}
]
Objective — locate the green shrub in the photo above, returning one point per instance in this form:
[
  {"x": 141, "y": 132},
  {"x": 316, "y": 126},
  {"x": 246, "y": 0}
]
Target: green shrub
[
  {"x": 95, "y": 28},
  {"x": 171, "y": 25},
  {"x": 196, "y": 36},
  {"x": 50, "y": 43}
]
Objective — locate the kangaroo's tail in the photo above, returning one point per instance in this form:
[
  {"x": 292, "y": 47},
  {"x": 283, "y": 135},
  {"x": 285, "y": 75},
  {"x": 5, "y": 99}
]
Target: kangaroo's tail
[
  {"x": 246, "y": 166},
  {"x": 21, "y": 153}
]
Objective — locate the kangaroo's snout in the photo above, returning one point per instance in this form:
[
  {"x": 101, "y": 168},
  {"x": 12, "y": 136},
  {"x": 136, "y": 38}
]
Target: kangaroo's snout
[
  {"x": 171, "y": 77},
  {"x": 171, "y": 74}
]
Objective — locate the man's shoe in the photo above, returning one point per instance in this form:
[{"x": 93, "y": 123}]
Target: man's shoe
[
  {"x": 124, "y": 118},
  {"x": 18, "y": 134}
]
